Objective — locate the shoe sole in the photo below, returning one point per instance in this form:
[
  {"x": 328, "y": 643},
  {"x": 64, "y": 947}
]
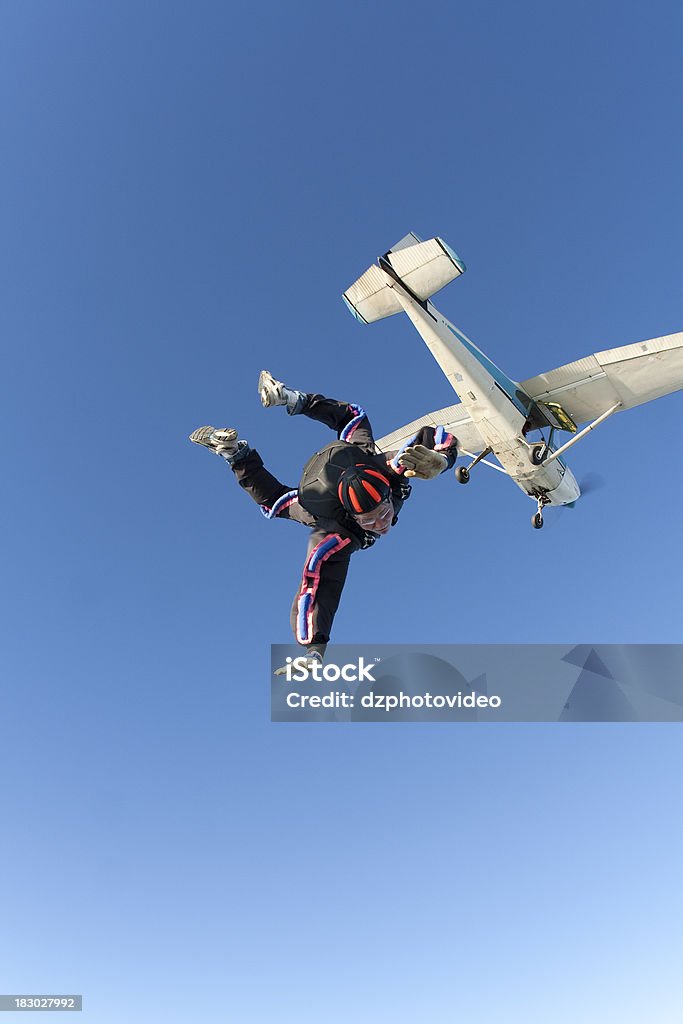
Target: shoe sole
[{"x": 205, "y": 437}]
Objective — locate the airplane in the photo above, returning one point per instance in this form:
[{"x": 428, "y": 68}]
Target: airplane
[{"x": 495, "y": 414}]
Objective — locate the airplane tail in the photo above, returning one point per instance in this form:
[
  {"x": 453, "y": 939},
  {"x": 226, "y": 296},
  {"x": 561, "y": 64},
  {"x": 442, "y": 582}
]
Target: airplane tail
[{"x": 423, "y": 267}]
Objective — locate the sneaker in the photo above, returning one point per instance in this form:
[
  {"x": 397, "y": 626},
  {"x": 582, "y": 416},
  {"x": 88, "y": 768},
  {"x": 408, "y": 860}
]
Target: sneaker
[
  {"x": 223, "y": 441},
  {"x": 274, "y": 392},
  {"x": 271, "y": 391}
]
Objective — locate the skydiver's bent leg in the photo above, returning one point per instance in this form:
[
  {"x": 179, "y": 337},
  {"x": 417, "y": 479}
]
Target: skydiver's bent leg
[
  {"x": 348, "y": 420},
  {"x": 275, "y": 499}
]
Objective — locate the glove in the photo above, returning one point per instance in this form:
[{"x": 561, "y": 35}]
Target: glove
[
  {"x": 302, "y": 662},
  {"x": 422, "y": 462}
]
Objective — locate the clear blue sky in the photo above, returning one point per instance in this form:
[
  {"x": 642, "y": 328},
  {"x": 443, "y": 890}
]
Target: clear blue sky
[{"x": 186, "y": 190}]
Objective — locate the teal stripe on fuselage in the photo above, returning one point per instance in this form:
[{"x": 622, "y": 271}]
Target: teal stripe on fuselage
[{"x": 509, "y": 387}]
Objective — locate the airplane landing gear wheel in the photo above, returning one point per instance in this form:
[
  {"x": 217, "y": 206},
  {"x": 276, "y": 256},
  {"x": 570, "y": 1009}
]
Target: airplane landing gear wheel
[
  {"x": 462, "y": 473},
  {"x": 537, "y": 520},
  {"x": 538, "y": 453}
]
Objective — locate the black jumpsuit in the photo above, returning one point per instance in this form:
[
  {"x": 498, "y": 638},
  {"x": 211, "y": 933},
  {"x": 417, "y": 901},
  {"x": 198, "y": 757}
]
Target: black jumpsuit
[{"x": 332, "y": 541}]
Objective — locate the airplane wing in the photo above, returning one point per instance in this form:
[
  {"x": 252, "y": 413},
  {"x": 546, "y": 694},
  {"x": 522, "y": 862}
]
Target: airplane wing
[
  {"x": 631, "y": 375},
  {"x": 454, "y": 418}
]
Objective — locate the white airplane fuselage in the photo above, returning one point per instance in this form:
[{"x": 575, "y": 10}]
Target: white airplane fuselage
[{"x": 496, "y": 404}]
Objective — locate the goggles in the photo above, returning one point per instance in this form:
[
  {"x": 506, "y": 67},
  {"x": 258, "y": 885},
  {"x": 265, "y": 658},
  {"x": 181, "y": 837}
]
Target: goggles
[{"x": 378, "y": 516}]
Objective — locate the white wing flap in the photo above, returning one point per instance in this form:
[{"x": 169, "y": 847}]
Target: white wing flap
[
  {"x": 632, "y": 374},
  {"x": 454, "y": 418}
]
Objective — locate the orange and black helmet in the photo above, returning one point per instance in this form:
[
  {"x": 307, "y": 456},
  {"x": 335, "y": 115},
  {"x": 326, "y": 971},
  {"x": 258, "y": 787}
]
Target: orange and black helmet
[{"x": 362, "y": 488}]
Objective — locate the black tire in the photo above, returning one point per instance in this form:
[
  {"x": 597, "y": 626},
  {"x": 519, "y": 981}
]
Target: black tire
[
  {"x": 462, "y": 475},
  {"x": 537, "y": 520},
  {"x": 538, "y": 454}
]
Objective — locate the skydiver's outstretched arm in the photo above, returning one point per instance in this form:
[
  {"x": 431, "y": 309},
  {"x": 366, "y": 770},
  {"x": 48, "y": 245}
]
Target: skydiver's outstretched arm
[{"x": 413, "y": 459}]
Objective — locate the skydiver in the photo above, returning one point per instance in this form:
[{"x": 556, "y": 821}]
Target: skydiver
[{"x": 350, "y": 494}]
